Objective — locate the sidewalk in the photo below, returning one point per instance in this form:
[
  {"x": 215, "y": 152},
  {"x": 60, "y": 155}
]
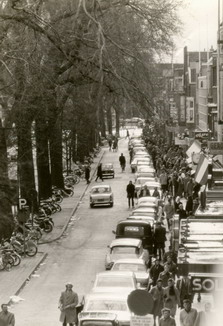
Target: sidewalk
[{"x": 13, "y": 281}]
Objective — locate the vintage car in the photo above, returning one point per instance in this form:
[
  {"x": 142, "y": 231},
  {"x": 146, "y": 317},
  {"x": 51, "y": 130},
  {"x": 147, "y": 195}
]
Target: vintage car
[
  {"x": 97, "y": 319},
  {"x": 140, "y": 182},
  {"x": 145, "y": 171},
  {"x": 145, "y": 211},
  {"x": 137, "y": 229},
  {"x": 101, "y": 195},
  {"x": 107, "y": 170},
  {"x": 150, "y": 219},
  {"x": 125, "y": 248},
  {"x": 137, "y": 266},
  {"x": 152, "y": 186},
  {"x": 135, "y": 161},
  {"x": 115, "y": 281},
  {"x": 109, "y": 303},
  {"x": 148, "y": 199}
]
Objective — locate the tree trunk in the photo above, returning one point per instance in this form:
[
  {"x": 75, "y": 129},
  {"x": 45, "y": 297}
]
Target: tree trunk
[
  {"x": 25, "y": 157},
  {"x": 117, "y": 122},
  {"x": 56, "y": 153},
  {"x": 102, "y": 122},
  {"x": 44, "y": 177},
  {"x": 109, "y": 120},
  {"x": 6, "y": 219}
]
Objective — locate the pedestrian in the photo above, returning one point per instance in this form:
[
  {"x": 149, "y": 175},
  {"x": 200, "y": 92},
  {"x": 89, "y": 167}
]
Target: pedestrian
[
  {"x": 156, "y": 193},
  {"x": 87, "y": 173},
  {"x": 67, "y": 304},
  {"x": 172, "y": 266},
  {"x": 177, "y": 203},
  {"x": 157, "y": 293},
  {"x": 163, "y": 181},
  {"x": 155, "y": 271},
  {"x": 169, "y": 212},
  {"x": 166, "y": 319},
  {"x": 6, "y": 318},
  {"x": 165, "y": 275},
  {"x": 130, "y": 189},
  {"x": 127, "y": 134},
  {"x": 185, "y": 289},
  {"x": 182, "y": 213},
  {"x": 189, "y": 205},
  {"x": 171, "y": 297},
  {"x": 188, "y": 315},
  {"x": 122, "y": 161},
  {"x": 110, "y": 144},
  {"x": 144, "y": 192},
  {"x": 99, "y": 172},
  {"x": 159, "y": 239}
]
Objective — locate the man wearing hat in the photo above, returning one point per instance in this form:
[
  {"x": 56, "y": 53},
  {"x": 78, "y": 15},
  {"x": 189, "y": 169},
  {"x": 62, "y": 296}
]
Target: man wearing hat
[
  {"x": 67, "y": 304},
  {"x": 188, "y": 315},
  {"x": 157, "y": 293},
  {"x": 159, "y": 239},
  {"x": 166, "y": 319}
]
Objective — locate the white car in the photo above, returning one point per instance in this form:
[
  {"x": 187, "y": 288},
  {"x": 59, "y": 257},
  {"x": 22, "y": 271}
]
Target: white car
[
  {"x": 146, "y": 171},
  {"x": 145, "y": 211},
  {"x": 137, "y": 266},
  {"x": 135, "y": 161},
  {"x": 101, "y": 195},
  {"x": 125, "y": 248},
  {"x": 147, "y": 199},
  {"x": 109, "y": 303},
  {"x": 141, "y": 181},
  {"x": 115, "y": 281},
  {"x": 152, "y": 186}
]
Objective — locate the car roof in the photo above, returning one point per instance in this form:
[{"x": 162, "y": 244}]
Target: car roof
[
  {"x": 115, "y": 273},
  {"x": 148, "y": 198},
  {"x": 130, "y": 261},
  {"x": 132, "y": 222},
  {"x": 101, "y": 186},
  {"x": 107, "y": 295},
  {"x": 131, "y": 242},
  {"x": 144, "y": 209},
  {"x": 141, "y": 217},
  {"x": 153, "y": 184}
]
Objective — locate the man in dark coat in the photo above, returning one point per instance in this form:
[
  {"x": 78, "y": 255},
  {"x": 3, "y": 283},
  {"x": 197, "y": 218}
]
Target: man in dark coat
[
  {"x": 67, "y": 304},
  {"x": 130, "y": 193},
  {"x": 184, "y": 287},
  {"x": 122, "y": 161},
  {"x": 87, "y": 173},
  {"x": 159, "y": 239},
  {"x": 99, "y": 172},
  {"x": 155, "y": 271}
]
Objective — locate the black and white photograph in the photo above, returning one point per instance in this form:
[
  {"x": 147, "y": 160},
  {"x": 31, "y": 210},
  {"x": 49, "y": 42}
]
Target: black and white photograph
[{"x": 111, "y": 162}]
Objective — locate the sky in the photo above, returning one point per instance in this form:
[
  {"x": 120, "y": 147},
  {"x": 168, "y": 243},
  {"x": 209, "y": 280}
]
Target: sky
[{"x": 200, "y": 24}]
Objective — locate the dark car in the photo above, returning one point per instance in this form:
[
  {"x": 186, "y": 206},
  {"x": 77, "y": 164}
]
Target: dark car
[
  {"x": 137, "y": 229},
  {"x": 107, "y": 170}
]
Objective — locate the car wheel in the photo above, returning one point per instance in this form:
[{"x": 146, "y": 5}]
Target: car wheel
[{"x": 91, "y": 205}]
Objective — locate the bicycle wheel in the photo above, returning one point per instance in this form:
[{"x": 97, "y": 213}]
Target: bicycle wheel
[
  {"x": 31, "y": 249},
  {"x": 76, "y": 179},
  {"x": 48, "y": 226},
  {"x": 17, "y": 259}
]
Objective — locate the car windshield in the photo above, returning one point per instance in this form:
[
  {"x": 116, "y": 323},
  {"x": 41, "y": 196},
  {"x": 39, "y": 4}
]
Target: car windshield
[
  {"x": 114, "y": 281},
  {"x": 107, "y": 166},
  {"x": 105, "y": 305},
  {"x": 129, "y": 267},
  {"x": 100, "y": 190},
  {"x": 124, "y": 250},
  {"x": 96, "y": 323}
]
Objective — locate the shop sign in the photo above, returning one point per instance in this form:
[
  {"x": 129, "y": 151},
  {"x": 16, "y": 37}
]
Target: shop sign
[
  {"x": 200, "y": 135},
  {"x": 207, "y": 284},
  {"x": 215, "y": 147}
]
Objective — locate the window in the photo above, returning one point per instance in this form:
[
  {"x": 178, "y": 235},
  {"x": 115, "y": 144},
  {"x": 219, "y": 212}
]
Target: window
[{"x": 201, "y": 84}]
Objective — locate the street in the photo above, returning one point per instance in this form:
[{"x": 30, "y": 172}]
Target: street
[{"x": 79, "y": 255}]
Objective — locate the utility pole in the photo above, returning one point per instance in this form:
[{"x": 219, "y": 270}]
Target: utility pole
[{"x": 220, "y": 72}]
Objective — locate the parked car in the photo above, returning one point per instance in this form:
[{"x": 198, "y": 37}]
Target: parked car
[
  {"x": 137, "y": 229},
  {"x": 152, "y": 186},
  {"x": 135, "y": 161},
  {"x": 109, "y": 303},
  {"x": 150, "y": 219},
  {"x": 145, "y": 211},
  {"x": 148, "y": 199},
  {"x": 125, "y": 248},
  {"x": 145, "y": 171},
  {"x": 101, "y": 195},
  {"x": 107, "y": 170},
  {"x": 137, "y": 266},
  {"x": 97, "y": 319},
  {"x": 115, "y": 281},
  {"x": 141, "y": 181}
]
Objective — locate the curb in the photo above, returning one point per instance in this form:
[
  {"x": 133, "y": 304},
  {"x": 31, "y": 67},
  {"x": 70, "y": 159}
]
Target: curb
[
  {"x": 28, "y": 277},
  {"x": 75, "y": 207}
]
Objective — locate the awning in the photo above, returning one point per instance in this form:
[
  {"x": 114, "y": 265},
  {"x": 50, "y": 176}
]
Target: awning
[
  {"x": 194, "y": 148},
  {"x": 201, "y": 174}
]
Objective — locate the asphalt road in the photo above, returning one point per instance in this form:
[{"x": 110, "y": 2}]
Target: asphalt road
[{"x": 79, "y": 255}]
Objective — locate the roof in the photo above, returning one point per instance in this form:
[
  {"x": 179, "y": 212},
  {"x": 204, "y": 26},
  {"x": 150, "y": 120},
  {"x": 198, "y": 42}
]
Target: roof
[
  {"x": 126, "y": 242},
  {"x": 133, "y": 222}
]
